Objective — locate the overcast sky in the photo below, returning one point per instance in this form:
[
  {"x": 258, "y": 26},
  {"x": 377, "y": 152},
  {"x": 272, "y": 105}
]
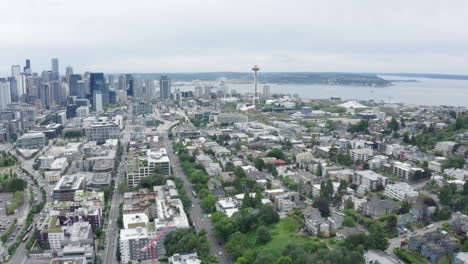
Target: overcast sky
[{"x": 114, "y": 36}]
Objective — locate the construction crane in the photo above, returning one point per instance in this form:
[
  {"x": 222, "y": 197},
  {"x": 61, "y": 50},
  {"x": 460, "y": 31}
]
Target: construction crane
[{"x": 151, "y": 243}]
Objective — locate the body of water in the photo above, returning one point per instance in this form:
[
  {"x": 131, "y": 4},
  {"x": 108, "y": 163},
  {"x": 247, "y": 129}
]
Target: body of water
[{"x": 424, "y": 91}]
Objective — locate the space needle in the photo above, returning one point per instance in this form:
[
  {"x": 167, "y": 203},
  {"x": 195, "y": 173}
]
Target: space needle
[{"x": 256, "y": 96}]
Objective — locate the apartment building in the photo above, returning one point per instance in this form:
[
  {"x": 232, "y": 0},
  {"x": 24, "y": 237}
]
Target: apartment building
[{"x": 400, "y": 191}]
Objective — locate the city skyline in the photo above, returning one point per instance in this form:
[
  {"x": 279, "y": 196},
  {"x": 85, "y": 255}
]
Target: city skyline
[{"x": 312, "y": 36}]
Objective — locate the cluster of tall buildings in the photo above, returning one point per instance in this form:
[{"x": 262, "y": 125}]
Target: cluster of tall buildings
[{"x": 50, "y": 89}]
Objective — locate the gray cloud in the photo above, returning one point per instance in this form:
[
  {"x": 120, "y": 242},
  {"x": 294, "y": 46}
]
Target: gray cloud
[{"x": 215, "y": 35}]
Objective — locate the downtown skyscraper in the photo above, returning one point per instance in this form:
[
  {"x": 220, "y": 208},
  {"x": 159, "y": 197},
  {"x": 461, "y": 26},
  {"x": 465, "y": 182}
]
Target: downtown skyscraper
[
  {"x": 165, "y": 88},
  {"x": 55, "y": 69}
]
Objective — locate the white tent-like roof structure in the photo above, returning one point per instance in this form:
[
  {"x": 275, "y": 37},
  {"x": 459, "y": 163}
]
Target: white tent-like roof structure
[{"x": 352, "y": 104}]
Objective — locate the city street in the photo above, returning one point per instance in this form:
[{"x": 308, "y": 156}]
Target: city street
[
  {"x": 112, "y": 229},
  {"x": 196, "y": 213},
  {"x": 396, "y": 242}
]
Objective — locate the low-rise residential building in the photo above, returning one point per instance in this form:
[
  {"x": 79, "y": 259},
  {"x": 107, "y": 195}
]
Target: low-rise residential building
[
  {"x": 228, "y": 206},
  {"x": 460, "y": 258},
  {"x": 186, "y": 258},
  {"x": 404, "y": 170},
  {"x": 363, "y": 154},
  {"x": 341, "y": 175},
  {"x": 434, "y": 245},
  {"x": 378, "y": 208},
  {"x": 435, "y": 165},
  {"x": 368, "y": 180},
  {"x": 400, "y": 191},
  {"x": 229, "y": 118},
  {"x": 376, "y": 162},
  {"x": 446, "y": 147}
]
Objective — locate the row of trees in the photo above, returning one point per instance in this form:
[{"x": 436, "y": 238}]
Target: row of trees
[
  {"x": 198, "y": 176},
  {"x": 16, "y": 202},
  {"x": 7, "y": 159},
  {"x": 9, "y": 182}
]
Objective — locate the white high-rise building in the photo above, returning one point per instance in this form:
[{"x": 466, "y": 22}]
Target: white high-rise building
[
  {"x": 5, "y": 93},
  {"x": 98, "y": 102},
  {"x": 68, "y": 72},
  {"x": 266, "y": 91},
  {"x": 15, "y": 70},
  {"x": 138, "y": 90},
  {"x": 198, "y": 91},
  {"x": 20, "y": 80},
  {"x": 149, "y": 88}
]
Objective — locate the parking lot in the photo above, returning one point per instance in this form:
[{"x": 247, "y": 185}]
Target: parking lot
[
  {"x": 4, "y": 199},
  {"x": 5, "y": 221}
]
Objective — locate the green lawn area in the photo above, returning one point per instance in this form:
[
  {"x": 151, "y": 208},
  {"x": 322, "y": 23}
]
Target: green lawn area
[
  {"x": 283, "y": 233},
  {"x": 6, "y": 169}
]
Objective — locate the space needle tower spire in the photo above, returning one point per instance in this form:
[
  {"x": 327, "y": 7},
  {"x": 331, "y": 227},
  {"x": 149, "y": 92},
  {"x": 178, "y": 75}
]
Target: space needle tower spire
[{"x": 256, "y": 96}]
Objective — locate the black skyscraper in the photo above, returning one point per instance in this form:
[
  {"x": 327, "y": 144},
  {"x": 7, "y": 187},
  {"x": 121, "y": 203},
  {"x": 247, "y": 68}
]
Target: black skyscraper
[
  {"x": 97, "y": 82},
  {"x": 76, "y": 87},
  {"x": 129, "y": 84},
  {"x": 27, "y": 68}
]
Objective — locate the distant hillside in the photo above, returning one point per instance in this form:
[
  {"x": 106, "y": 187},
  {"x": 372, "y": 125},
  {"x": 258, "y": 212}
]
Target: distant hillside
[
  {"x": 428, "y": 75},
  {"x": 280, "y": 77}
]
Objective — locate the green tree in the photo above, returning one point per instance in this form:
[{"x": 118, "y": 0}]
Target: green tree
[
  {"x": 268, "y": 214},
  {"x": 226, "y": 226},
  {"x": 361, "y": 127},
  {"x": 337, "y": 256},
  {"x": 391, "y": 223},
  {"x": 237, "y": 245},
  {"x": 208, "y": 203},
  {"x": 259, "y": 164},
  {"x": 454, "y": 162},
  {"x": 265, "y": 257},
  {"x": 295, "y": 252},
  {"x": 323, "y": 207},
  {"x": 349, "y": 221},
  {"x": 349, "y": 204},
  {"x": 247, "y": 221},
  {"x": 239, "y": 172},
  {"x": 393, "y": 125},
  {"x": 284, "y": 260},
  {"x": 459, "y": 122},
  {"x": 318, "y": 172},
  {"x": 277, "y": 153},
  {"x": 377, "y": 239},
  {"x": 405, "y": 207},
  {"x": 263, "y": 235},
  {"x": 248, "y": 257}
]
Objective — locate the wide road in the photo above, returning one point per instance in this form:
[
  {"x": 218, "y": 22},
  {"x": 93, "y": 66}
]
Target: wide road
[
  {"x": 196, "y": 213},
  {"x": 112, "y": 230},
  {"x": 20, "y": 253}
]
